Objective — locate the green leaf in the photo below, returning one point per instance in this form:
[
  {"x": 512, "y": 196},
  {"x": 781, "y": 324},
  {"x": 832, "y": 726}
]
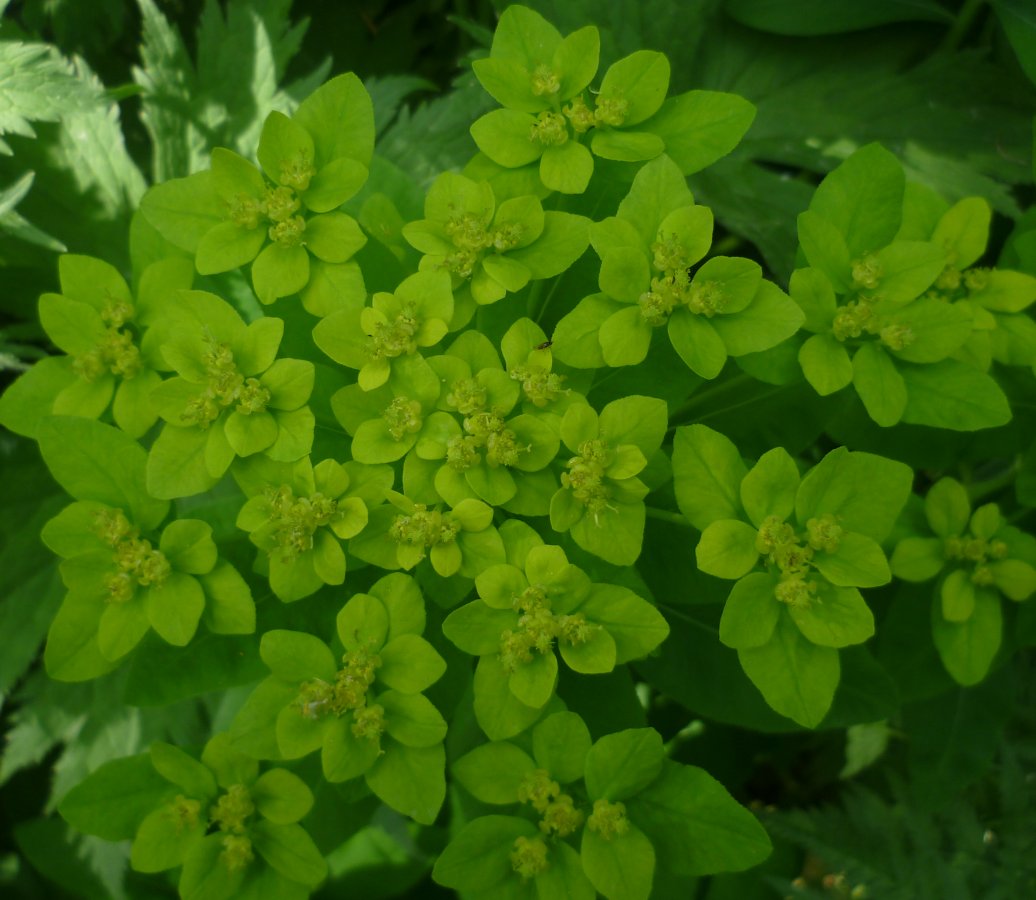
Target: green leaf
[
  {"x": 636, "y": 420},
  {"x": 176, "y": 464},
  {"x": 947, "y": 508},
  {"x": 294, "y": 656},
  {"x": 411, "y": 780},
  {"x": 641, "y": 80},
  {"x": 859, "y": 561},
  {"x": 863, "y": 491},
  {"x": 967, "y": 649},
  {"x": 796, "y": 677},
  {"x": 563, "y": 240},
  {"x": 824, "y": 247},
  {"x": 621, "y": 867},
  {"x": 112, "y": 800},
  {"x": 696, "y": 827},
  {"x": 174, "y": 608},
  {"x": 707, "y": 473},
  {"x": 750, "y": 613},
  {"x": 478, "y": 857},
  {"x": 863, "y": 198},
  {"x": 533, "y": 682},
  {"x": 771, "y": 318},
  {"x": 957, "y": 595},
  {"x": 881, "y": 386},
  {"x": 339, "y": 117},
  {"x": 228, "y": 246},
  {"x": 770, "y": 486},
  {"x": 954, "y": 395},
  {"x": 409, "y": 664},
  {"x": 560, "y": 744},
  {"x": 40, "y": 86},
  {"x": 838, "y": 617},
  {"x": 727, "y": 549},
  {"x": 700, "y": 127},
  {"x": 696, "y": 340},
  {"x": 621, "y": 765},
  {"x": 412, "y": 719},
  {"x": 499, "y": 712},
  {"x": 917, "y": 559},
  {"x": 281, "y": 797},
  {"x": 963, "y": 231},
  {"x": 566, "y": 168},
  {"x": 279, "y": 272},
  {"x": 633, "y": 623},
  {"x": 188, "y": 545},
  {"x": 289, "y": 850},
  {"x": 183, "y": 210},
  {"x": 183, "y": 770},
  {"x": 826, "y": 364},
  {"x": 493, "y": 772},
  {"x": 81, "y": 455},
  {"x": 812, "y": 291}
]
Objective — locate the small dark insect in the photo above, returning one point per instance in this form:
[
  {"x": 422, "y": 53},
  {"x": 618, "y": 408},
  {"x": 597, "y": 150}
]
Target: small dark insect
[{"x": 544, "y": 345}]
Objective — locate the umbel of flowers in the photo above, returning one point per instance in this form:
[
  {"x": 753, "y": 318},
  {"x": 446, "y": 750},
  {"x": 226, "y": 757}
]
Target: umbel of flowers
[{"x": 417, "y": 524}]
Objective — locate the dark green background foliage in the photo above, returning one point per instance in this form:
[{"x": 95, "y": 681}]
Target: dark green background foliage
[{"x": 888, "y": 748}]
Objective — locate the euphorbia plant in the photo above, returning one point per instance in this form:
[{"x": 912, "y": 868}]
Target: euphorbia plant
[{"x": 494, "y": 455}]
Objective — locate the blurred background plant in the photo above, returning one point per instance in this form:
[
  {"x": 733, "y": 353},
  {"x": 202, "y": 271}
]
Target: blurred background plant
[{"x": 98, "y": 100}]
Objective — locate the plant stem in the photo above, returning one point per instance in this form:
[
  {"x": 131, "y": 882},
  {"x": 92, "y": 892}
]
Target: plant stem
[
  {"x": 699, "y": 397},
  {"x": 666, "y": 515},
  {"x": 965, "y": 19}
]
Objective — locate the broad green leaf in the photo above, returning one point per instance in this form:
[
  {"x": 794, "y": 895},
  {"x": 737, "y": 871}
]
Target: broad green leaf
[
  {"x": 411, "y": 780},
  {"x": 863, "y": 198},
  {"x": 770, "y": 318},
  {"x": 796, "y": 677},
  {"x": 750, "y": 613},
  {"x": 635, "y": 625},
  {"x": 947, "y": 508},
  {"x": 493, "y": 772},
  {"x": 641, "y": 80},
  {"x": 560, "y": 744},
  {"x": 695, "y": 339},
  {"x": 696, "y": 827},
  {"x": 700, "y": 127},
  {"x": 533, "y": 682},
  {"x": 917, "y": 559},
  {"x": 659, "y": 188},
  {"x": 93, "y": 461},
  {"x": 113, "y": 800},
  {"x": 412, "y": 719},
  {"x": 967, "y": 648},
  {"x": 881, "y": 386},
  {"x": 409, "y": 664},
  {"x": 479, "y": 856},
  {"x": 294, "y": 656},
  {"x": 837, "y": 617},
  {"x": 281, "y": 797},
  {"x": 769, "y": 487},
  {"x": 339, "y": 117},
  {"x": 826, "y": 364},
  {"x": 954, "y": 395},
  {"x": 859, "y": 561},
  {"x": 727, "y": 549},
  {"x": 499, "y": 712},
  {"x": 174, "y": 608},
  {"x": 621, "y": 765},
  {"x": 863, "y": 491},
  {"x": 621, "y": 867},
  {"x": 707, "y": 474},
  {"x": 957, "y": 596},
  {"x": 289, "y": 850}
]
